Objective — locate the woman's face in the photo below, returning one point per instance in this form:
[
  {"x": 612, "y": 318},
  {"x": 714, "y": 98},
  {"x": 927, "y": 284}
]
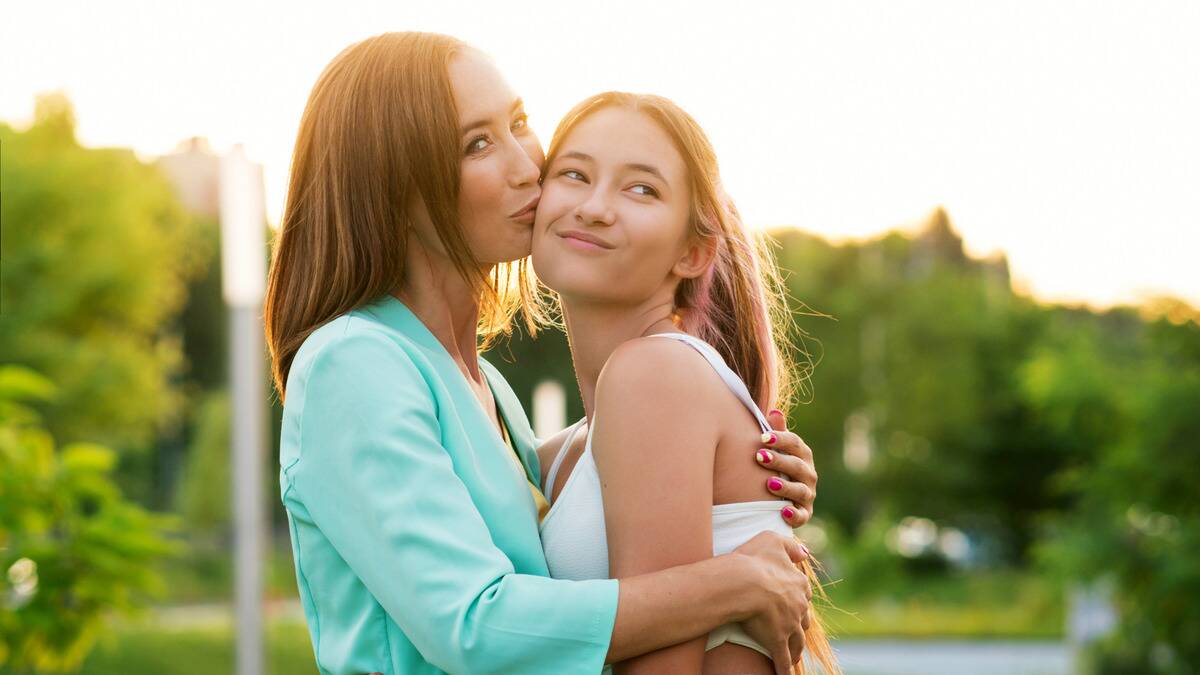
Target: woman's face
[
  {"x": 501, "y": 162},
  {"x": 612, "y": 225}
]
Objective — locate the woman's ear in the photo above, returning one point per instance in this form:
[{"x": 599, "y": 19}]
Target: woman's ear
[{"x": 696, "y": 258}]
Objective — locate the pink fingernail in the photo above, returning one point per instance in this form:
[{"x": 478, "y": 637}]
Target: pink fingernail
[
  {"x": 788, "y": 513},
  {"x": 774, "y": 485},
  {"x": 776, "y": 411},
  {"x": 769, "y": 438},
  {"x": 764, "y": 457}
]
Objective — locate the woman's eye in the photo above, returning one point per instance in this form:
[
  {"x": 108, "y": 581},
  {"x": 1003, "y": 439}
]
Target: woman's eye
[
  {"x": 646, "y": 190},
  {"x": 573, "y": 175},
  {"x": 477, "y": 145}
]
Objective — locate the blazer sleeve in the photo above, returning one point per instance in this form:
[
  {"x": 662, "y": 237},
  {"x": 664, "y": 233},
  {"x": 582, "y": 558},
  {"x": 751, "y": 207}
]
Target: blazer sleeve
[{"x": 375, "y": 478}]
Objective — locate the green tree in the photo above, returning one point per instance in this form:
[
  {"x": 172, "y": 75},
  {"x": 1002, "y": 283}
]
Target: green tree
[
  {"x": 72, "y": 549},
  {"x": 1137, "y": 522},
  {"x": 96, "y": 256}
]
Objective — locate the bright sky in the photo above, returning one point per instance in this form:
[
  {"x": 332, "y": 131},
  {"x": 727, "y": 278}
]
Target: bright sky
[{"x": 1066, "y": 134}]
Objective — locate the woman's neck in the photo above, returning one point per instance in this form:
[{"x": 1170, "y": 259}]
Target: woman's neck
[
  {"x": 595, "y": 330},
  {"x": 446, "y": 303}
]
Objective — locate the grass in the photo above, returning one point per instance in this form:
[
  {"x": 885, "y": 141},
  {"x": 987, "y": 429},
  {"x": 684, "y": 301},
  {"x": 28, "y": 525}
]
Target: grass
[
  {"x": 150, "y": 650},
  {"x": 981, "y": 605},
  {"x": 988, "y": 605}
]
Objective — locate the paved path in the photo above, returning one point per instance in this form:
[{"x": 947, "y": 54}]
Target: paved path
[{"x": 888, "y": 657}]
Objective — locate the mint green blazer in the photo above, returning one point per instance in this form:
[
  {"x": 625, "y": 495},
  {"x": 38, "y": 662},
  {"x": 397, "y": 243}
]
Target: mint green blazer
[{"x": 414, "y": 536}]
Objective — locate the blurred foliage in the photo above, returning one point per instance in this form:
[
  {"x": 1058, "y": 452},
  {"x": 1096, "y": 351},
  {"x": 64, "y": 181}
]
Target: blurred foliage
[
  {"x": 97, "y": 252},
  {"x": 1137, "y": 521},
  {"x": 204, "y": 493},
  {"x": 74, "y": 551},
  {"x": 924, "y": 347}
]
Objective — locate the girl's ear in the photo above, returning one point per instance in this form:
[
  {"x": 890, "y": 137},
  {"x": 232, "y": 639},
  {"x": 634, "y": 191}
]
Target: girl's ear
[{"x": 696, "y": 258}]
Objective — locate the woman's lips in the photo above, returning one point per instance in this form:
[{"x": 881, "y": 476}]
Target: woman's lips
[{"x": 526, "y": 215}]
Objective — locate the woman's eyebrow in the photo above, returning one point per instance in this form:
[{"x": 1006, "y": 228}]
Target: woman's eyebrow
[{"x": 517, "y": 104}]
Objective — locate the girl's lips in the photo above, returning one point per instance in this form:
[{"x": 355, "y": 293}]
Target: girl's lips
[
  {"x": 582, "y": 245},
  {"x": 584, "y": 240}
]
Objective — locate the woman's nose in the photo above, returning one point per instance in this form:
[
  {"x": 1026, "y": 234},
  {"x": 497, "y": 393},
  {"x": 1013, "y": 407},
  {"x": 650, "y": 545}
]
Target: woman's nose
[{"x": 523, "y": 171}]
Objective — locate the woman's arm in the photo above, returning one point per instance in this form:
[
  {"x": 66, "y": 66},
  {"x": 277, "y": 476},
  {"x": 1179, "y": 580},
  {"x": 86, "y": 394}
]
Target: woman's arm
[
  {"x": 374, "y": 478},
  {"x": 788, "y": 454}
]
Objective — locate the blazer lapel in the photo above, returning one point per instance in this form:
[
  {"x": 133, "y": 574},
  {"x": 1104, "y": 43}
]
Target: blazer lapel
[
  {"x": 397, "y": 314},
  {"x": 516, "y": 421}
]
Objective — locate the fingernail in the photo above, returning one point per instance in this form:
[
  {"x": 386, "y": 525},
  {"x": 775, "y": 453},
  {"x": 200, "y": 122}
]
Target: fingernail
[
  {"x": 768, "y": 438},
  {"x": 789, "y": 513},
  {"x": 764, "y": 457},
  {"x": 776, "y": 411},
  {"x": 774, "y": 485}
]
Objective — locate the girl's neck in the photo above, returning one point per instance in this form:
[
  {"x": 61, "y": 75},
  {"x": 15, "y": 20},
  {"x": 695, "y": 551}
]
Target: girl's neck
[
  {"x": 445, "y": 302},
  {"x": 595, "y": 330}
]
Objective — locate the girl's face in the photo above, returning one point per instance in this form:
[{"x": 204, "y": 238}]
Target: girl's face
[
  {"x": 612, "y": 225},
  {"x": 501, "y": 162}
]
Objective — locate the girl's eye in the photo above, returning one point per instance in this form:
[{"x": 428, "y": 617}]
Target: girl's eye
[
  {"x": 478, "y": 144},
  {"x": 647, "y": 190}
]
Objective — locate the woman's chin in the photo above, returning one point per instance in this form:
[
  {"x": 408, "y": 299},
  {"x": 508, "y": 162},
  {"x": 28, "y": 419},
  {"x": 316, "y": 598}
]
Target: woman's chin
[{"x": 518, "y": 248}]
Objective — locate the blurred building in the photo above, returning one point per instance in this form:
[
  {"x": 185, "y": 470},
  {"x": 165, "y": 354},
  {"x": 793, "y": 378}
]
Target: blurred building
[
  {"x": 194, "y": 171},
  {"x": 937, "y": 243}
]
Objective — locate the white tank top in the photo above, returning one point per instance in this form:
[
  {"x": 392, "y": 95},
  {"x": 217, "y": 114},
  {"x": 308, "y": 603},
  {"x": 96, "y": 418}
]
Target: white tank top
[{"x": 573, "y": 532}]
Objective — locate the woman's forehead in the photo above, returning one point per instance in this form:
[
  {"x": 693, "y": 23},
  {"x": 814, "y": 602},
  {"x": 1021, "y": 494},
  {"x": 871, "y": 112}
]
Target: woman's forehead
[{"x": 480, "y": 91}]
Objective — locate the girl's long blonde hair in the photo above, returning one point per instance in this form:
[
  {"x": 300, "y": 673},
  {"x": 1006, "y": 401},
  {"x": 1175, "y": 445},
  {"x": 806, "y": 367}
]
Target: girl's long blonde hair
[{"x": 739, "y": 305}]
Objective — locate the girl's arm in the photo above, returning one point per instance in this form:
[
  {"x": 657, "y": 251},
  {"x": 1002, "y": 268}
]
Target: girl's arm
[{"x": 657, "y": 480}]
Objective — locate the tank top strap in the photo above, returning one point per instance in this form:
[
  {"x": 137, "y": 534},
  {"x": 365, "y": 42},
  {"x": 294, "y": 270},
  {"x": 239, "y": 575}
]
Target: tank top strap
[
  {"x": 731, "y": 379},
  {"x": 558, "y": 458}
]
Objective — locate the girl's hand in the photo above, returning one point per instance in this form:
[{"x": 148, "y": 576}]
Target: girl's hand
[
  {"x": 787, "y": 453},
  {"x": 782, "y": 596}
]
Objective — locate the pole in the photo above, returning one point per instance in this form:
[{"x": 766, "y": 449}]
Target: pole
[{"x": 243, "y": 259}]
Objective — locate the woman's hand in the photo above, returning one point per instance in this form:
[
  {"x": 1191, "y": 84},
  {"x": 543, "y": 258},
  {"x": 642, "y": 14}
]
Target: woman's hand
[
  {"x": 788, "y": 454},
  {"x": 782, "y": 596}
]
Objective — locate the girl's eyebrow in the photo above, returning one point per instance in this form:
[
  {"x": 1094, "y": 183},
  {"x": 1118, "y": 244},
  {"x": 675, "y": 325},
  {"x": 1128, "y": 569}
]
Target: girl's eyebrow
[
  {"x": 646, "y": 168},
  {"x": 516, "y": 105},
  {"x": 635, "y": 166}
]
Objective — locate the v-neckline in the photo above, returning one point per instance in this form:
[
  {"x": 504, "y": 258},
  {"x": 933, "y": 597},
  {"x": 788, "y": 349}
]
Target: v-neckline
[{"x": 429, "y": 341}]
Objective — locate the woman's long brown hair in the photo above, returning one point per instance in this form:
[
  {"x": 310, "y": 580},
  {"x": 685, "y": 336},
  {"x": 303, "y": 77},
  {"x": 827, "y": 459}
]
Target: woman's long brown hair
[{"x": 379, "y": 134}]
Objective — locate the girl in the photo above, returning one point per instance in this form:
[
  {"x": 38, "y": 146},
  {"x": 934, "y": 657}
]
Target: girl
[
  {"x": 672, "y": 308},
  {"x": 408, "y": 469}
]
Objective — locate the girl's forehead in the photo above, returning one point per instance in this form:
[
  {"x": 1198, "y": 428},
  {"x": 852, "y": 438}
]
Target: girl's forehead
[{"x": 623, "y": 136}]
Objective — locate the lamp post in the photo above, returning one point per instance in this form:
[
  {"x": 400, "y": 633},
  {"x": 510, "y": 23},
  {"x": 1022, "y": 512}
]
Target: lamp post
[{"x": 243, "y": 262}]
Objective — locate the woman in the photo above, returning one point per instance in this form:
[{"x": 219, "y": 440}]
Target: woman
[
  {"x": 408, "y": 468},
  {"x": 638, "y": 241}
]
